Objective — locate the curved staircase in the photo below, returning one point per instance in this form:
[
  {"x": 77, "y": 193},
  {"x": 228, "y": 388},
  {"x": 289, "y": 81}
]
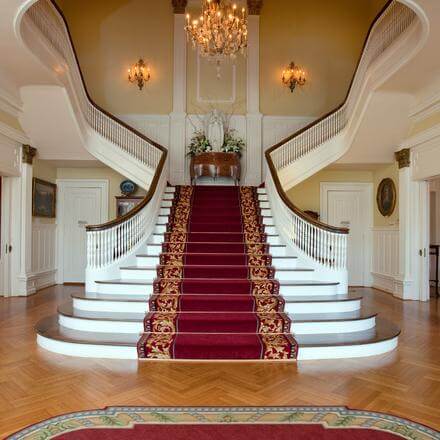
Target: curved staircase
[
  {"x": 203, "y": 288},
  {"x": 213, "y": 286}
]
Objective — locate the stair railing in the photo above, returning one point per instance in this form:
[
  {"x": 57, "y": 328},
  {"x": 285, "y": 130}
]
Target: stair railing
[
  {"x": 325, "y": 244},
  {"x": 110, "y": 242}
]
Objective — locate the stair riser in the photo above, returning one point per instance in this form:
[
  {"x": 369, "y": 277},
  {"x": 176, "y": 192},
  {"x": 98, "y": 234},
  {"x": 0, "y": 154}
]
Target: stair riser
[
  {"x": 281, "y": 263},
  {"x": 111, "y": 306},
  {"x": 143, "y": 306},
  {"x": 309, "y": 353},
  {"x": 165, "y": 210},
  {"x": 158, "y": 239},
  {"x": 101, "y": 326},
  {"x": 161, "y": 228},
  {"x": 157, "y": 250},
  {"x": 151, "y": 274},
  {"x": 128, "y": 289}
]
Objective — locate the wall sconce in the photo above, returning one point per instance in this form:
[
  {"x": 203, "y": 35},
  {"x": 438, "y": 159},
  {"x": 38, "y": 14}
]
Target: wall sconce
[
  {"x": 139, "y": 73},
  {"x": 293, "y": 76}
]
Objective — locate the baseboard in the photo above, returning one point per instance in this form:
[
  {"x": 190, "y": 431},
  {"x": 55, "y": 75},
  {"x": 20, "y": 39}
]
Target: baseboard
[
  {"x": 386, "y": 283},
  {"x": 42, "y": 280}
]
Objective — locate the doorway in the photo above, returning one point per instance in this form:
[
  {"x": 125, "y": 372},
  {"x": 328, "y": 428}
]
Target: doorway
[
  {"x": 5, "y": 237},
  {"x": 349, "y": 205},
  {"x": 81, "y": 203},
  {"x": 434, "y": 237}
]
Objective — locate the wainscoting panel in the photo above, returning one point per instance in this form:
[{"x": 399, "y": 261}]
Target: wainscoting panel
[
  {"x": 43, "y": 254},
  {"x": 385, "y": 258}
]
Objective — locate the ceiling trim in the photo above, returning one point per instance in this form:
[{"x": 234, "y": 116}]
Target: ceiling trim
[
  {"x": 9, "y": 104},
  {"x": 421, "y": 138},
  {"x": 426, "y": 108},
  {"x": 13, "y": 133}
]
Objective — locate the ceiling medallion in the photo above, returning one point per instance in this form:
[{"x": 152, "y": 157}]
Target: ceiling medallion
[{"x": 220, "y": 32}]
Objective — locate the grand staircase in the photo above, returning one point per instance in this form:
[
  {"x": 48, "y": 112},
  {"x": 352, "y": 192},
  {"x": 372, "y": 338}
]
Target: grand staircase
[
  {"x": 216, "y": 281},
  {"x": 218, "y": 273}
]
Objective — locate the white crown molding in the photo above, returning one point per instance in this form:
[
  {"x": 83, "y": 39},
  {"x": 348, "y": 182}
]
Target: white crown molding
[
  {"x": 9, "y": 104},
  {"x": 428, "y": 107},
  {"x": 13, "y": 134},
  {"x": 421, "y": 138}
]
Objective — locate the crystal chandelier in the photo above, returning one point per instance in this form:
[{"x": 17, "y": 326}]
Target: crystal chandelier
[{"x": 220, "y": 32}]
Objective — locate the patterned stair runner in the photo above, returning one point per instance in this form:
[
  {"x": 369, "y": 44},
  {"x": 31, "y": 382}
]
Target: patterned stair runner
[{"x": 215, "y": 296}]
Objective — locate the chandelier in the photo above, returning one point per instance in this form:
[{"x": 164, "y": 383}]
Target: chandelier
[{"x": 220, "y": 32}]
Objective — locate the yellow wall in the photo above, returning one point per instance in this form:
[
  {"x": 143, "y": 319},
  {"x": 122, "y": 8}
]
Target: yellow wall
[
  {"x": 391, "y": 171},
  {"x": 325, "y": 38},
  {"x": 110, "y": 36},
  {"x": 10, "y": 120},
  {"x": 113, "y": 177},
  {"x": 306, "y": 195}
]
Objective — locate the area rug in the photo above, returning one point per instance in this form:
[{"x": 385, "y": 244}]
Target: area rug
[
  {"x": 239, "y": 423},
  {"x": 216, "y": 296}
]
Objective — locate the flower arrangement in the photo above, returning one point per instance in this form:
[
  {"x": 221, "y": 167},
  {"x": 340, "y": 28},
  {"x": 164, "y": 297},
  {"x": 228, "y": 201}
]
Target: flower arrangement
[
  {"x": 199, "y": 144},
  {"x": 232, "y": 143}
]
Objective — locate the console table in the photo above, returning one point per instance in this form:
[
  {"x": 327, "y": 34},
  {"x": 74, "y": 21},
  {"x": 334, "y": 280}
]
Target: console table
[{"x": 215, "y": 164}]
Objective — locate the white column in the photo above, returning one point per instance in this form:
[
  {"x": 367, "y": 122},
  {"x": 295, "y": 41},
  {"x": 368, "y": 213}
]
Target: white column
[
  {"x": 21, "y": 228},
  {"x": 254, "y": 119},
  {"x": 413, "y": 223},
  {"x": 178, "y": 115}
]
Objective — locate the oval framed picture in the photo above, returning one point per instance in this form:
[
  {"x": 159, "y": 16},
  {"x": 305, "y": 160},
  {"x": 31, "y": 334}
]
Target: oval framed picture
[
  {"x": 386, "y": 197},
  {"x": 128, "y": 187}
]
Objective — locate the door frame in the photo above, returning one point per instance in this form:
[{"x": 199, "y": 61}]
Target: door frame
[
  {"x": 366, "y": 188},
  {"x": 62, "y": 185},
  {"x": 5, "y": 269}
]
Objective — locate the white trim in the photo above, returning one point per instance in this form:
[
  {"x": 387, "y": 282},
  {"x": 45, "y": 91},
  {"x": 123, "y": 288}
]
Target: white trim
[
  {"x": 13, "y": 133},
  {"x": 5, "y": 266},
  {"x": 367, "y": 189},
  {"x": 202, "y": 100},
  {"x": 421, "y": 138},
  {"x": 62, "y": 184},
  {"x": 426, "y": 108}
]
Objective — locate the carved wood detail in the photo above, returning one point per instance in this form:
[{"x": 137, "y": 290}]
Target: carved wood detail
[{"x": 179, "y": 6}]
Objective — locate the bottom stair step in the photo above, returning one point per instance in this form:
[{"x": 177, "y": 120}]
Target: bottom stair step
[
  {"x": 55, "y": 338},
  {"x": 217, "y": 346}
]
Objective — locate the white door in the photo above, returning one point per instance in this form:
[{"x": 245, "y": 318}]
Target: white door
[
  {"x": 82, "y": 205},
  {"x": 350, "y": 209},
  {"x": 5, "y": 242}
]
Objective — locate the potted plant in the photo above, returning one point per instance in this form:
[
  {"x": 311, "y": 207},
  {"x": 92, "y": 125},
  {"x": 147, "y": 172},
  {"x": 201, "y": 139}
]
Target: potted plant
[
  {"x": 233, "y": 143},
  {"x": 199, "y": 144}
]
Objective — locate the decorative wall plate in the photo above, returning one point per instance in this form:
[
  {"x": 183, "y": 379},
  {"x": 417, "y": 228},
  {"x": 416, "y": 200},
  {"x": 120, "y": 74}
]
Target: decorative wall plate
[
  {"x": 386, "y": 197},
  {"x": 128, "y": 187}
]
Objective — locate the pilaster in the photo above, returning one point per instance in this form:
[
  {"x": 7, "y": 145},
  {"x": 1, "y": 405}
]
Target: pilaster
[
  {"x": 408, "y": 285},
  {"x": 178, "y": 115},
  {"x": 254, "y": 119},
  {"x": 22, "y": 226}
]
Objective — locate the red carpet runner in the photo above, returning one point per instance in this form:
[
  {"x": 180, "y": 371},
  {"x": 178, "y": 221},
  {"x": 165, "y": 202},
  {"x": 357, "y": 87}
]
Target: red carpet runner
[{"x": 215, "y": 296}]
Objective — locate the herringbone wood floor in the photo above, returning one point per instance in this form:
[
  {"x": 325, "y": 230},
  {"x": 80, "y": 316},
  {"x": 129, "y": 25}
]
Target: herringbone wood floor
[{"x": 35, "y": 384}]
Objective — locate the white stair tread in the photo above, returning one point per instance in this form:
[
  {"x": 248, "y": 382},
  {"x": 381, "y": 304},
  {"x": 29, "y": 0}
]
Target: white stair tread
[{"x": 384, "y": 331}]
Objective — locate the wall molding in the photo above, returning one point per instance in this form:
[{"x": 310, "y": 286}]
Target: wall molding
[
  {"x": 421, "y": 138},
  {"x": 13, "y": 133},
  {"x": 385, "y": 261},
  {"x": 426, "y": 108}
]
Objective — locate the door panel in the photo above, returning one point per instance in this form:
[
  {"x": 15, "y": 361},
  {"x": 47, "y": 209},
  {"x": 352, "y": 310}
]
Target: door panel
[
  {"x": 82, "y": 207},
  {"x": 345, "y": 209}
]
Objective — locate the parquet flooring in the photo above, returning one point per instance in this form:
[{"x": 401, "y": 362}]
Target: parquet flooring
[{"x": 36, "y": 384}]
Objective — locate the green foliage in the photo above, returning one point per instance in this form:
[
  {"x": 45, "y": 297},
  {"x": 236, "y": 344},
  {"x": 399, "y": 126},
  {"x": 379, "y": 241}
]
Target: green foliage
[
  {"x": 199, "y": 144},
  {"x": 233, "y": 143}
]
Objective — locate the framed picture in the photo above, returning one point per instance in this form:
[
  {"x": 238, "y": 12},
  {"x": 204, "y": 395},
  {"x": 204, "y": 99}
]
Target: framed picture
[
  {"x": 44, "y": 198},
  {"x": 386, "y": 197},
  {"x": 125, "y": 204}
]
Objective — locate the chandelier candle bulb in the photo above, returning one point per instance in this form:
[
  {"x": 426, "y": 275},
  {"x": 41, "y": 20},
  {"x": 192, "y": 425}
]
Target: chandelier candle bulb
[{"x": 219, "y": 34}]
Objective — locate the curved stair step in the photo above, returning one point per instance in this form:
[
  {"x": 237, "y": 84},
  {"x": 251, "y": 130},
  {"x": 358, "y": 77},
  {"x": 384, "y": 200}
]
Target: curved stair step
[
  {"x": 138, "y": 304},
  {"x": 302, "y": 323},
  {"x": 53, "y": 337}
]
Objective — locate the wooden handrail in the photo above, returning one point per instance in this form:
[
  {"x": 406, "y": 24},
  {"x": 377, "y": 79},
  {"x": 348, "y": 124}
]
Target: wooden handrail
[
  {"x": 268, "y": 152},
  {"x": 161, "y": 165}
]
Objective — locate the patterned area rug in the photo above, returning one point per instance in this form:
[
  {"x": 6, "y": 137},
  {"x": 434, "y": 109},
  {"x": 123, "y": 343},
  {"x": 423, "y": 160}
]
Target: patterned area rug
[
  {"x": 216, "y": 296},
  {"x": 262, "y": 423}
]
